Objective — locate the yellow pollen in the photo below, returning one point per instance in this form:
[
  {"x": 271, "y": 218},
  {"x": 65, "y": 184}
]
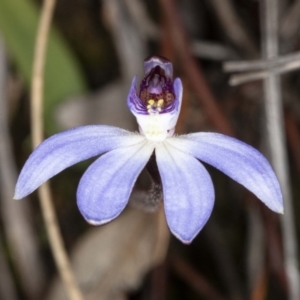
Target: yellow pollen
[
  {"x": 160, "y": 102},
  {"x": 151, "y": 102},
  {"x": 155, "y": 107}
]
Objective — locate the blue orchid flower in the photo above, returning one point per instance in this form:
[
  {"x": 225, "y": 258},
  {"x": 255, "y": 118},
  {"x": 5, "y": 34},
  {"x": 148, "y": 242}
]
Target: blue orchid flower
[{"x": 188, "y": 192}]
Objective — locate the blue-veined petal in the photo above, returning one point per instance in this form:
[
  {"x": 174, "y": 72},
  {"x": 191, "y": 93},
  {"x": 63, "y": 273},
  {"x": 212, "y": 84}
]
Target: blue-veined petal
[
  {"x": 188, "y": 191},
  {"x": 105, "y": 187},
  {"x": 236, "y": 159},
  {"x": 68, "y": 148},
  {"x": 178, "y": 89},
  {"x": 134, "y": 103}
]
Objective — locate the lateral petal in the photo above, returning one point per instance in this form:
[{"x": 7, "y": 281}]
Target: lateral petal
[
  {"x": 67, "y": 148},
  {"x": 105, "y": 187},
  {"x": 238, "y": 160},
  {"x": 188, "y": 191}
]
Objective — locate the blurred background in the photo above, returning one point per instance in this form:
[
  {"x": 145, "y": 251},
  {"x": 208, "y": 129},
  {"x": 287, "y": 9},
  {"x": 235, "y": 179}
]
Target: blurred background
[{"x": 95, "y": 49}]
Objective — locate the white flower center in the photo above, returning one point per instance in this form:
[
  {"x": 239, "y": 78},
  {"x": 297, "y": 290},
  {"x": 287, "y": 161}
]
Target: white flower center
[{"x": 155, "y": 125}]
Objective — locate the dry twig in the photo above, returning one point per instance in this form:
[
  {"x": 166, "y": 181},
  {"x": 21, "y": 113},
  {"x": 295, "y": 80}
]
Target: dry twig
[
  {"x": 276, "y": 141},
  {"x": 262, "y": 64},
  {"x": 251, "y": 76},
  {"x": 48, "y": 211}
]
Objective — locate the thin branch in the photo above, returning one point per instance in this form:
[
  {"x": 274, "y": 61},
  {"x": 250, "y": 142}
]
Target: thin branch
[
  {"x": 48, "y": 211},
  {"x": 262, "y": 64},
  {"x": 276, "y": 141},
  {"x": 272, "y": 66},
  {"x": 252, "y": 76}
]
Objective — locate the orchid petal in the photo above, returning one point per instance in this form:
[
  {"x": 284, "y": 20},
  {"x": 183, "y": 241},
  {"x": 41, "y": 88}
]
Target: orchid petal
[
  {"x": 105, "y": 187},
  {"x": 241, "y": 162},
  {"x": 134, "y": 103},
  {"x": 178, "y": 90},
  {"x": 188, "y": 191},
  {"x": 67, "y": 148}
]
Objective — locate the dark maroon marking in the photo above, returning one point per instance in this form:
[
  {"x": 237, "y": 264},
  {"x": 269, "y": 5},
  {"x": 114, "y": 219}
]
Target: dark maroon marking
[{"x": 157, "y": 77}]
